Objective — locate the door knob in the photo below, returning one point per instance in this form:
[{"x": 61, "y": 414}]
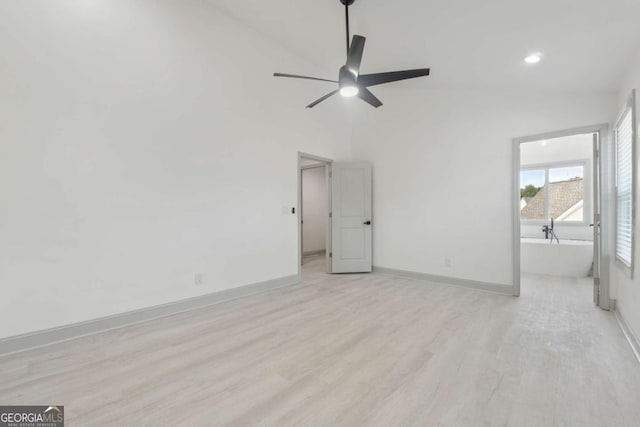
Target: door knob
[{"x": 367, "y": 223}]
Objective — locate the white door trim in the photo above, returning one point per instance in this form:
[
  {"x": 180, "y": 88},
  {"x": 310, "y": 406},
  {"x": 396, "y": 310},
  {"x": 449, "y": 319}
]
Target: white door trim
[
  {"x": 327, "y": 165},
  {"x": 605, "y": 180}
]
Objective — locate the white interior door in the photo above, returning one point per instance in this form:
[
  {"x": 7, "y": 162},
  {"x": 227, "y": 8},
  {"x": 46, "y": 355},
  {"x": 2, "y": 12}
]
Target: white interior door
[{"x": 351, "y": 218}]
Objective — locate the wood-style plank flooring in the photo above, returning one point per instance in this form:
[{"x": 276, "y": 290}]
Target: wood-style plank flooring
[{"x": 349, "y": 350}]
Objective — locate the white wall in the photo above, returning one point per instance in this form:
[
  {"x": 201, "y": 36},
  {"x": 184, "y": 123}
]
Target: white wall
[
  {"x": 566, "y": 149},
  {"x": 144, "y": 142},
  {"x": 314, "y": 210},
  {"x": 624, "y": 290},
  {"x": 442, "y": 162}
]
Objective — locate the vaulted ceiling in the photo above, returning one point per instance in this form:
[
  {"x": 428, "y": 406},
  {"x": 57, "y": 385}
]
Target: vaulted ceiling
[{"x": 467, "y": 43}]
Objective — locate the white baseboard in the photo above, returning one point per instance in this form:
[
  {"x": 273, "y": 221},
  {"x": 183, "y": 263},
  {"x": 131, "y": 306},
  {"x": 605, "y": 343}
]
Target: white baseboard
[
  {"x": 632, "y": 338},
  {"x": 473, "y": 284},
  {"x": 310, "y": 253},
  {"x": 76, "y": 330}
]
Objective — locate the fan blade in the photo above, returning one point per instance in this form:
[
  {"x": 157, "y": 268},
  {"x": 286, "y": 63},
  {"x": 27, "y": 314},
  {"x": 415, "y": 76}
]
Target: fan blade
[
  {"x": 354, "y": 58},
  {"x": 330, "y": 94},
  {"x": 367, "y": 80},
  {"x": 368, "y": 97},
  {"x": 294, "y": 76}
]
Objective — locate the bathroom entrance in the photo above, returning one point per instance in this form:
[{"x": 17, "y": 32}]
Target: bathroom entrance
[{"x": 557, "y": 213}]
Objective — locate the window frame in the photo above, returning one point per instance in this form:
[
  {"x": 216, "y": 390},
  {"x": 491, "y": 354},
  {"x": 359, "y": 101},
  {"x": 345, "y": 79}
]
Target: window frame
[
  {"x": 629, "y": 108},
  {"x": 587, "y": 192}
]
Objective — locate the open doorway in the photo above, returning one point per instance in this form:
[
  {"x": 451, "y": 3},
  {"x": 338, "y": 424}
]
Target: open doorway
[
  {"x": 347, "y": 219},
  {"x": 314, "y": 201},
  {"x": 558, "y": 215}
]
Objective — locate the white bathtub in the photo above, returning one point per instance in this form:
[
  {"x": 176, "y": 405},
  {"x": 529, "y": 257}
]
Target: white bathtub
[{"x": 570, "y": 258}]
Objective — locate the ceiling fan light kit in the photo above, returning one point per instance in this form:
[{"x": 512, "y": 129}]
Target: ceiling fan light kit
[{"x": 350, "y": 81}]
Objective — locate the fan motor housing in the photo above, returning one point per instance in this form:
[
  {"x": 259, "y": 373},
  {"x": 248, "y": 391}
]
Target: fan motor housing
[{"x": 346, "y": 77}]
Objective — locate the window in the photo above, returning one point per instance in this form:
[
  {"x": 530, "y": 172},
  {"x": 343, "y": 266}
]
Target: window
[
  {"x": 625, "y": 172},
  {"x": 553, "y": 192},
  {"x": 532, "y": 194}
]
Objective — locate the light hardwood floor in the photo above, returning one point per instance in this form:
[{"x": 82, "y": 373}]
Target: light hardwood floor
[{"x": 349, "y": 350}]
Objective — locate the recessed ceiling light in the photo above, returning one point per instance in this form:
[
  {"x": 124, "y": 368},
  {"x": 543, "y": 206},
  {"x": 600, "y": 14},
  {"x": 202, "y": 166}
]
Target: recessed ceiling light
[{"x": 534, "y": 58}]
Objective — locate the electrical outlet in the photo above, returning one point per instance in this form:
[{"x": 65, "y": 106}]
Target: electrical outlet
[
  {"x": 198, "y": 279},
  {"x": 448, "y": 263}
]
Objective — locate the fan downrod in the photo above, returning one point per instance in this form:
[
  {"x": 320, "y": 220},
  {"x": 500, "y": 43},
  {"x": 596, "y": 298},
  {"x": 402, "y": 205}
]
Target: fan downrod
[{"x": 346, "y": 4}]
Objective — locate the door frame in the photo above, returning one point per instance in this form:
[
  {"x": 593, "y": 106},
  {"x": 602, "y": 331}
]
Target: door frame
[
  {"x": 604, "y": 164},
  {"x": 327, "y": 167}
]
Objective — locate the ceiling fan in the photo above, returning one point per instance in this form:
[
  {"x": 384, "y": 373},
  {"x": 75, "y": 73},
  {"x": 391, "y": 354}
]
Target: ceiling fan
[{"x": 350, "y": 81}]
